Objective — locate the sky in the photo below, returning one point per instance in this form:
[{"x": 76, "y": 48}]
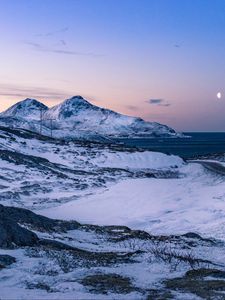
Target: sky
[{"x": 162, "y": 60}]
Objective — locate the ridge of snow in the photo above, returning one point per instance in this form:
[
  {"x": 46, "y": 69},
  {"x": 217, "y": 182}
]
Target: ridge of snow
[{"x": 137, "y": 160}]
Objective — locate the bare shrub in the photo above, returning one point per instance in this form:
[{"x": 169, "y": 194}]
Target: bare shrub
[
  {"x": 135, "y": 245},
  {"x": 174, "y": 257}
]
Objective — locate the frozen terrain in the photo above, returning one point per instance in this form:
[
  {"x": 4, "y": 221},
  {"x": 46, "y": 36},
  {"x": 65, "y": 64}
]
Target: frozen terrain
[
  {"x": 131, "y": 224},
  {"x": 50, "y": 259},
  {"x": 37, "y": 172},
  {"x": 193, "y": 202},
  {"x": 78, "y": 118}
]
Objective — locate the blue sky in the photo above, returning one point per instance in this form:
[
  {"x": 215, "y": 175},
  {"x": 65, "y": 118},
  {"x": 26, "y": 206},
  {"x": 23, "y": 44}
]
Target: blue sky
[{"x": 120, "y": 54}]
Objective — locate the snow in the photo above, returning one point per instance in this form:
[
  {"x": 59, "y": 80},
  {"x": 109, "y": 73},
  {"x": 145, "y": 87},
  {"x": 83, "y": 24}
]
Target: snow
[
  {"x": 13, "y": 281},
  {"x": 65, "y": 285},
  {"x": 194, "y": 203},
  {"x": 137, "y": 160},
  {"x": 77, "y": 118},
  {"x": 69, "y": 170},
  {"x": 208, "y": 160},
  {"x": 29, "y": 109}
]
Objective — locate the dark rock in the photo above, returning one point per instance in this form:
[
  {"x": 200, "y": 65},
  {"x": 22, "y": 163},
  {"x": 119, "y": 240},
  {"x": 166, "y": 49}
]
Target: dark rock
[
  {"x": 197, "y": 283},
  {"x": 201, "y": 273},
  {"x": 34, "y": 221},
  {"x": 12, "y": 235},
  {"x": 105, "y": 283},
  {"x": 192, "y": 235},
  {"x": 51, "y": 244},
  {"x": 40, "y": 286},
  {"x": 159, "y": 295},
  {"x": 6, "y": 260}
]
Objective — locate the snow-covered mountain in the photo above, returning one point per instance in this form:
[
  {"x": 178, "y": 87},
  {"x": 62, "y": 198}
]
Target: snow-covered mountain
[
  {"x": 28, "y": 109},
  {"x": 78, "y": 118}
]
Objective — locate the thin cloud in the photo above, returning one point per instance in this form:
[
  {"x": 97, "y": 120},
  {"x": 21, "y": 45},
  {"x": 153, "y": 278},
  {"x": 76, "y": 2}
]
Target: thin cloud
[
  {"x": 178, "y": 44},
  {"x": 158, "y": 102},
  {"x": 57, "y": 48},
  {"x": 10, "y": 90},
  {"x": 39, "y": 47},
  {"x": 155, "y": 101},
  {"x": 33, "y": 44},
  {"x": 63, "y": 42},
  {"x": 132, "y": 107},
  {"x": 51, "y": 33}
]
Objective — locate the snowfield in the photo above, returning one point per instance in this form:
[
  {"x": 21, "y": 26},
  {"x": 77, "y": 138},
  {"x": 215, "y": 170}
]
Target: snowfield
[
  {"x": 105, "y": 185},
  {"x": 195, "y": 202},
  {"x": 141, "y": 160},
  {"x": 38, "y": 173},
  {"x": 124, "y": 223}
]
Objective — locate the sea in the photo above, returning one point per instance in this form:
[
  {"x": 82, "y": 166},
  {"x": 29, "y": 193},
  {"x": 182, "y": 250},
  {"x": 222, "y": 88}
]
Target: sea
[{"x": 196, "y": 144}]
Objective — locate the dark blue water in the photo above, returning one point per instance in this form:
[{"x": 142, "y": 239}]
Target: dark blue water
[{"x": 199, "y": 143}]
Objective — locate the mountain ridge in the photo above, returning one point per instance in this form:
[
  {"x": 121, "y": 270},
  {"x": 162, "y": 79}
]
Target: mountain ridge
[{"x": 76, "y": 117}]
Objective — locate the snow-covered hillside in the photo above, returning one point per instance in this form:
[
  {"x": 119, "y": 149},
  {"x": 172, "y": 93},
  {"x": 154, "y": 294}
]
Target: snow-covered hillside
[
  {"x": 41, "y": 172},
  {"x": 142, "y": 189},
  {"x": 26, "y": 109},
  {"x": 78, "y": 118},
  {"x": 106, "y": 184}
]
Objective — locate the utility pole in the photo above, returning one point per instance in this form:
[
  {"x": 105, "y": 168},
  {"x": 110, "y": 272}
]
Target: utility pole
[
  {"x": 41, "y": 118},
  {"x": 51, "y": 125},
  {"x": 41, "y": 122}
]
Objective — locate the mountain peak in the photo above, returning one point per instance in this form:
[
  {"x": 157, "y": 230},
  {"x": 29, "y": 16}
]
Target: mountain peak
[
  {"x": 29, "y": 102},
  {"x": 27, "y": 108},
  {"x": 77, "y": 97},
  {"x": 76, "y": 100},
  {"x": 32, "y": 100},
  {"x": 72, "y": 106}
]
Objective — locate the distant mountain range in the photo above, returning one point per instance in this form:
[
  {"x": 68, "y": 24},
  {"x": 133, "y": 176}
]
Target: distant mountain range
[{"x": 78, "y": 118}]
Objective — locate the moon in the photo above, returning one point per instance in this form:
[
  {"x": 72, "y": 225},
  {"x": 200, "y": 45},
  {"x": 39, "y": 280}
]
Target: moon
[{"x": 219, "y": 95}]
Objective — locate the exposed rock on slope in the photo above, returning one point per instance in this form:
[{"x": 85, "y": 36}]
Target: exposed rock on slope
[{"x": 63, "y": 259}]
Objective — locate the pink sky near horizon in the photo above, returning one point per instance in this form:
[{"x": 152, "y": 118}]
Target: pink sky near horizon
[{"x": 119, "y": 57}]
